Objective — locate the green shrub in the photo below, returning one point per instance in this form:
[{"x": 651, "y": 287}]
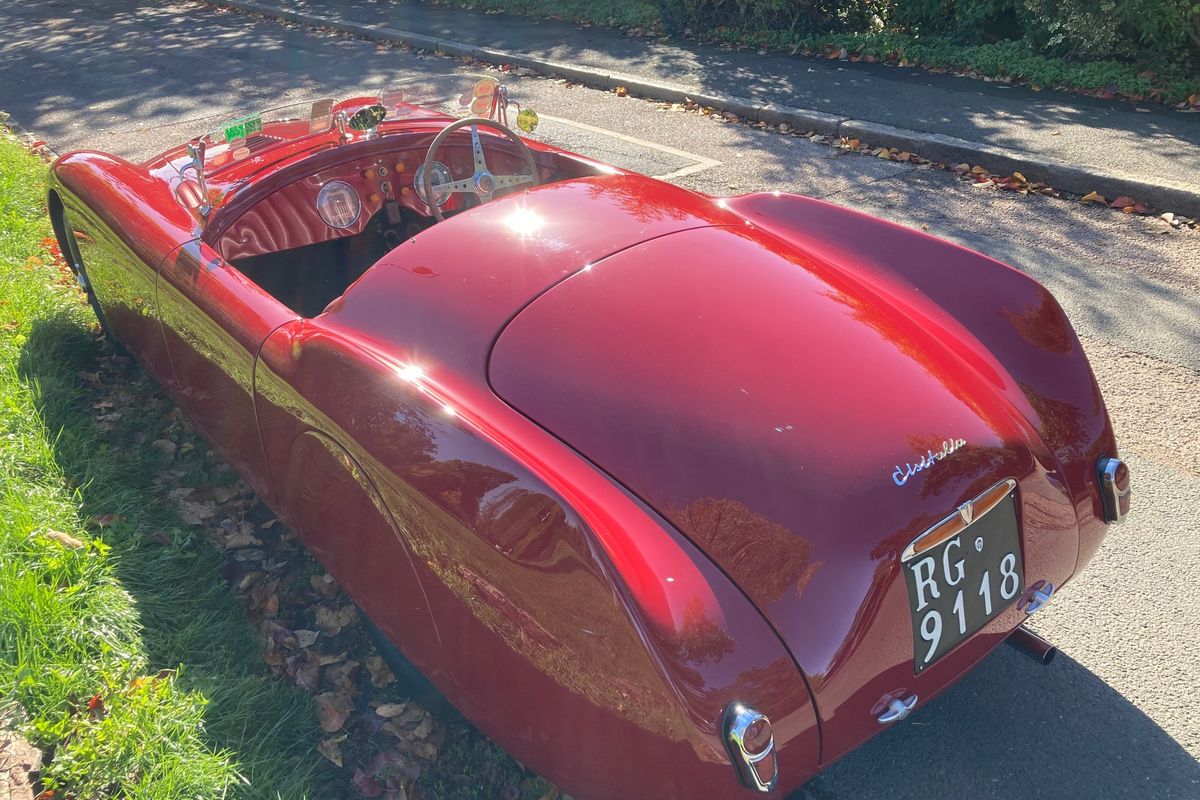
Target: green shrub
[{"x": 1159, "y": 34}]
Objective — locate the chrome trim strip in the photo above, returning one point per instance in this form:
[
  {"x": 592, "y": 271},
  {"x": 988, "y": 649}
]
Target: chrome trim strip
[{"x": 958, "y": 521}]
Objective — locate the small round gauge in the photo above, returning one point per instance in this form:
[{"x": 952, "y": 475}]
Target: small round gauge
[
  {"x": 440, "y": 173},
  {"x": 338, "y": 204}
]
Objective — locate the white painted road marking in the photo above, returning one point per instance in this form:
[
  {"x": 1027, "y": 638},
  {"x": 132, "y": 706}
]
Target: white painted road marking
[{"x": 702, "y": 162}]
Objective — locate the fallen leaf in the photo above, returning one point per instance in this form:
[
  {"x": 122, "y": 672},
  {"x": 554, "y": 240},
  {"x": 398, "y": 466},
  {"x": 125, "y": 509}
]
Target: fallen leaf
[
  {"x": 324, "y": 584},
  {"x": 1168, "y": 218},
  {"x": 1092, "y": 197},
  {"x": 1018, "y": 176},
  {"x": 331, "y": 621},
  {"x": 325, "y": 659},
  {"x": 366, "y": 785},
  {"x": 305, "y": 638},
  {"x": 390, "y": 710},
  {"x": 306, "y": 675},
  {"x": 381, "y": 674},
  {"x": 65, "y": 539},
  {"x": 621, "y": 91},
  {"x": 1122, "y": 202},
  {"x": 331, "y": 750},
  {"x": 333, "y": 709},
  {"x": 978, "y": 170},
  {"x": 242, "y": 538}
]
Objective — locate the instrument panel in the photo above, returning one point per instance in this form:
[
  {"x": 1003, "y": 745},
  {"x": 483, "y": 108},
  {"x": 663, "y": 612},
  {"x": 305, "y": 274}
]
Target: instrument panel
[{"x": 342, "y": 200}]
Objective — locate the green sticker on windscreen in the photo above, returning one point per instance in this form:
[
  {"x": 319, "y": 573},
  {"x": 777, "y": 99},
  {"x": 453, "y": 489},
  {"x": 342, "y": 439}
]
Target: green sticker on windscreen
[{"x": 241, "y": 128}]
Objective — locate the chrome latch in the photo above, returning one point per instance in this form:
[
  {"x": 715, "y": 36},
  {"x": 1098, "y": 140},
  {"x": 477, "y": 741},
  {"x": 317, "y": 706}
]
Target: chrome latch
[
  {"x": 1039, "y": 597},
  {"x": 898, "y": 709}
]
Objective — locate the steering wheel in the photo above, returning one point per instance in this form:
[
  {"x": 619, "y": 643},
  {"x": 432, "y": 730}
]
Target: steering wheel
[{"x": 483, "y": 184}]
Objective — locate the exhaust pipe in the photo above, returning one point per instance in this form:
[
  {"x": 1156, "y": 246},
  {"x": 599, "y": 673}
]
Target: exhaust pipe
[{"x": 1032, "y": 645}]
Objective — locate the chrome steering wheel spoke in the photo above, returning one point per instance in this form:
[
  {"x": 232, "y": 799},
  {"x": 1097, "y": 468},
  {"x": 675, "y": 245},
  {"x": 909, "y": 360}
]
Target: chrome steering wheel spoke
[
  {"x": 482, "y": 183},
  {"x": 505, "y": 181},
  {"x": 477, "y": 151},
  {"x": 466, "y": 185}
]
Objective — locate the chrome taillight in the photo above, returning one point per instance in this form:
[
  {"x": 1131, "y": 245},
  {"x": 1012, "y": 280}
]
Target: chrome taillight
[
  {"x": 1113, "y": 475},
  {"x": 750, "y": 743}
]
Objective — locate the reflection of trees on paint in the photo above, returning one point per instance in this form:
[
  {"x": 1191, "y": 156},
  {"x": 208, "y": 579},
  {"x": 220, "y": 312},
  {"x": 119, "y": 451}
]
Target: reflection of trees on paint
[
  {"x": 1043, "y": 325},
  {"x": 1064, "y": 424},
  {"x": 748, "y": 544},
  {"x": 632, "y": 196},
  {"x": 459, "y": 485},
  {"x": 701, "y": 641},
  {"x": 524, "y": 524}
]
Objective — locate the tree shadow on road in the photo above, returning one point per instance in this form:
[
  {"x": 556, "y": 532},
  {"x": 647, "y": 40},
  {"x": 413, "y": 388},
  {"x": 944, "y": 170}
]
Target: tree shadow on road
[{"x": 1013, "y": 728}]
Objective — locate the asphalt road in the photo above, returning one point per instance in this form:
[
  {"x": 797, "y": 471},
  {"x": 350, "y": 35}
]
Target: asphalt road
[{"x": 1118, "y": 714}]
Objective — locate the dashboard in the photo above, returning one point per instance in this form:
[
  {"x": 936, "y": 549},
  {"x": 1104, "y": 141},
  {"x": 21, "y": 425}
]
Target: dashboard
[{"x": 341, "y": 201}]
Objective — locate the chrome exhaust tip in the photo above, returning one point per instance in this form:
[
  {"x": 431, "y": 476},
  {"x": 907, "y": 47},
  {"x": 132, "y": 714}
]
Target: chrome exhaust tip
[{"x": 1032, "y": 645}]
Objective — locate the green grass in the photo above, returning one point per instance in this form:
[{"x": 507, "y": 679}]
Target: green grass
[
  {"x": 615, "y": 13},
  {"x": 1006, "y": 59},
  {"x": 84, "y": 633}
]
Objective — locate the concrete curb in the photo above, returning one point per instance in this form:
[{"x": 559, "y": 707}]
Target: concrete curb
[{"x": 1159, "y": 193}]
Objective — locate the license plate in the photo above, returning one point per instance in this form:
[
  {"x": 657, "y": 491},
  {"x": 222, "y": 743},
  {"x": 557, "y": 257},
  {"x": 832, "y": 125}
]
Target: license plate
[{"x": 957, "y": 585}]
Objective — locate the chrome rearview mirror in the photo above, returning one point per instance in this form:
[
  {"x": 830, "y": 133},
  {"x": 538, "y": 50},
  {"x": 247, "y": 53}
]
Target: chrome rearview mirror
[{"x": 368, "y": 119}]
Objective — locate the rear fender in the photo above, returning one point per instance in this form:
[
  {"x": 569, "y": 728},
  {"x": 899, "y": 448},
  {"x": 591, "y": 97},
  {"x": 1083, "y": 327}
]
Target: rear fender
[{"x": 1027, "y": 345}]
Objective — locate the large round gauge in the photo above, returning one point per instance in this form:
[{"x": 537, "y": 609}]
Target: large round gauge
[
  {"x": 439, "y": 173},
  {"x": 338, "y": 204}
]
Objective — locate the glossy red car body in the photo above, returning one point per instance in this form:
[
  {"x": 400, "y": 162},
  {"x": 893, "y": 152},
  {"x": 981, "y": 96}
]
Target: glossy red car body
[{"x": 605, "y": 456}]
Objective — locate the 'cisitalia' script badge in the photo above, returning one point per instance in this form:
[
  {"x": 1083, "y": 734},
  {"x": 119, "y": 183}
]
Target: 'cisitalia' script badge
[{"x": 931, "y": 457}]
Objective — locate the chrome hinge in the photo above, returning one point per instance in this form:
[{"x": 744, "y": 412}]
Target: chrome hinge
[
  {"x": 1041, "y": 595},
  {"x": 898, "y": 709}
]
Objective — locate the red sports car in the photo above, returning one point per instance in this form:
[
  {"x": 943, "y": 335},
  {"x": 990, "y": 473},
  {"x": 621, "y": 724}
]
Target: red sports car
[{"x": 673, "y": 496}]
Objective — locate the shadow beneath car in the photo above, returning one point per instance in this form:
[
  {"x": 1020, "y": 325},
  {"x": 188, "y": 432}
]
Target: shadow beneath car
[{"x": 1013, "y": 728}]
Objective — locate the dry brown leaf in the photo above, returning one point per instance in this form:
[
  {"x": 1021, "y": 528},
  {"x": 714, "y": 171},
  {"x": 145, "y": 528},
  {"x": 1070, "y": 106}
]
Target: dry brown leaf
[
  {"x": 242, "y": 538},
  {"x": 324, "y": 584},
  {"x": 333, "y": 709},
  {"x": 342, "y": 677},
  {"x": 325, "y": 659},
  {"x": 65, "y": 539},
  {"x": 1122, "y": 202},
  {"x": 305, "y": 638},
  {"x": 1018, "y": 176},
  {"x": 1092, "y": 197},
  {"x": 331, "y": 749},
  {"x": 621, "y": 91},
  {"x": 381, "y": 674},
  {"x": 331, "y": 621},
  {"x": 978, "y": 170},
  {"x": 390, "y": 710}
]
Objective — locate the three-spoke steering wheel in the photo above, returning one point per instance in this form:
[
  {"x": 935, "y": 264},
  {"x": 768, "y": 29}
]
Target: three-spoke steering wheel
[{"x": 483, "y": 184}]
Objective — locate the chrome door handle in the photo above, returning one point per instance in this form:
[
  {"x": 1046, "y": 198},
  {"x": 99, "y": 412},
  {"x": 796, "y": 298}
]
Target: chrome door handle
[{"x": 898, "y": 709}]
